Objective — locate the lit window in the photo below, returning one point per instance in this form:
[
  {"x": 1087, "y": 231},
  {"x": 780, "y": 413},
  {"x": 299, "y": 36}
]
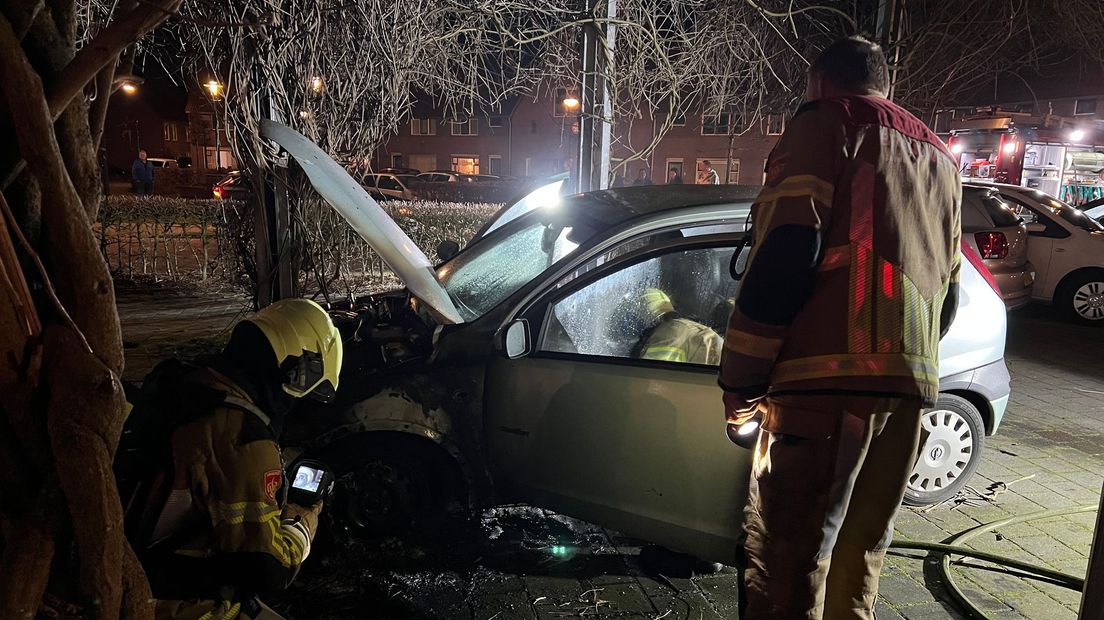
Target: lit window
[
  {"x": 465, "y": 164},
  {"x": 423, "y": 127}
]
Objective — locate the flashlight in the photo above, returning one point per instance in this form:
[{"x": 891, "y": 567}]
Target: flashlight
[{"x": 745, "y": 435}]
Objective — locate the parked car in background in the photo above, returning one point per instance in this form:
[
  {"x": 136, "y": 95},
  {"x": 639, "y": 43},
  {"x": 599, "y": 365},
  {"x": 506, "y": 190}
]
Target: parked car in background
[
  {"x": 451, "y": 176},
  {"x": 1066, "y": 246},
  {"x": 468, "y": 387},
  {"x": 400, "y": 171},
  {"x": 999, "y": 236},
  {"x": 234, "y": 186},
  {"x": 383, "y": 186},
  {"x": 163, "y": 162}
]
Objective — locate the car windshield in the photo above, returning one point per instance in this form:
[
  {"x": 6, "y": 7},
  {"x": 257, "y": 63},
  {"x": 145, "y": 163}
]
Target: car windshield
[{"x": 496, "y": 267}]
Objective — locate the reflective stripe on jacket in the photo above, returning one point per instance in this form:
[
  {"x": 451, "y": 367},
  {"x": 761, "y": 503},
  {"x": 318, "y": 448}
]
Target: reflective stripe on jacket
[
  {"x": 855, "y": 245},
  {"x": 683, "y": 340},
  {"x": 221, "y": 526}
]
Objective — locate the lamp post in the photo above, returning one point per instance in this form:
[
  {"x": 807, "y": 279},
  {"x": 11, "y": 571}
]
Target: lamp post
[{"x": 214, "y": 90}]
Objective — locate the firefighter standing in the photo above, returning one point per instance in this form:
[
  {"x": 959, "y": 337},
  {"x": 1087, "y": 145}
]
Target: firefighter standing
[
  {"x": 851, "y": 281},
  {"x": 225, "y": 535}
]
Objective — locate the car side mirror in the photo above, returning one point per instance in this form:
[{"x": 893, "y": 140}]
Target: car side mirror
[
  {"x": 1036, "y": 227},
  {"x": 447, "y": 249},
  {"x": 517, "y": 339}
]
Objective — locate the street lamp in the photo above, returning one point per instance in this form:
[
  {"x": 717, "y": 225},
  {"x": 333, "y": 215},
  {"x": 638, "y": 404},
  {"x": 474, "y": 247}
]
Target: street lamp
[
  {"x": 571, "y": 103},
  {"x": 214, "y": 89},
  {"x": 1077, "y": 135},
  {"x": 317, "y": 84},
  {"x": 126, "y": 83},
  {"x": 129, "y": 88}
]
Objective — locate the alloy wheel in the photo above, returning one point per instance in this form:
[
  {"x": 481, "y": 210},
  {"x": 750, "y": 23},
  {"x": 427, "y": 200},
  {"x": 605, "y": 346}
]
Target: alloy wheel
[{"x": 1088, "y": 301}]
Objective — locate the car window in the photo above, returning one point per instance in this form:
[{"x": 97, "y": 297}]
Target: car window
[
  {"x": 388, "y": 183},
  {"x": 1072, "y": 215},
  {"x": 999, "y": 212},
  {"x": 672, "y": 307},
  {"x": 481, "y": 277},
  {"x": 1032, "y": 215},
  {"x": 974, "y": 216}
]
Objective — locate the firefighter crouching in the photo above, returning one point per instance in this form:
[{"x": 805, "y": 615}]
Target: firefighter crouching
[
  {"x": 221, "y": 534},
  {"x": 674, "y": 338},
  {"x": 851, "y": 281}
]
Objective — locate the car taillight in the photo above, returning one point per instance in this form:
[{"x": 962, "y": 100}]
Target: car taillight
[
  {"x": 992, "y": 244},
  {"x": 218, "y": 191},
  {"x": 969, "y": 254}
]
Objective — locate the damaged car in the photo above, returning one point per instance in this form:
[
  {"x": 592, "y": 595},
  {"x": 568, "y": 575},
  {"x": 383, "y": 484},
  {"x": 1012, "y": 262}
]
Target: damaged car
[{"x": 512, "y": 372}]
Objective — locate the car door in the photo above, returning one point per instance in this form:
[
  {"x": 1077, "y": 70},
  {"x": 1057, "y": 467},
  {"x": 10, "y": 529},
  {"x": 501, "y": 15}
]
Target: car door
[
  {"x": 581, "y": 424},
  {"x": 1046, "y": 245}
]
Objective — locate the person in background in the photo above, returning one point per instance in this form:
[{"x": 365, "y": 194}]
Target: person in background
[
  {"x": 141, "y": 175},
  {"x": 707, "y": 175},
  {"x": 642, "y": 178},
  {"x": 673, "y": 177}
]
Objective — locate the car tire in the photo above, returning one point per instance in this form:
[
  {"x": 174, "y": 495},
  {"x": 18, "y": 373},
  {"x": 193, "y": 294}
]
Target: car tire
[
  {"x": 954, "y": 436},
  {"x": 389, "y": 492},
  {"x": 1081, "y": 298}
]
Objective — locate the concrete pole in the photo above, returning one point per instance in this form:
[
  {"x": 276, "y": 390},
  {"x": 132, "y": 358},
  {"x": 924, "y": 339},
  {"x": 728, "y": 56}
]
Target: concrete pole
[{"x": 1092, "y": 598}]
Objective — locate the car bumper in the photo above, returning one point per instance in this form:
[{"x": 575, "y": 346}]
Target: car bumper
[{"x": 1016, "y": 286}]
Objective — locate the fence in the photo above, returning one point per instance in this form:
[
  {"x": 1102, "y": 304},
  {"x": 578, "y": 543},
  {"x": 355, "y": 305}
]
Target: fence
[{"x": 156, "y": 238}]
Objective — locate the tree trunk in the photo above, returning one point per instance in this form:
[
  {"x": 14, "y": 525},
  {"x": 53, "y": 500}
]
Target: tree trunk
[{"x": 60, "y": 346}]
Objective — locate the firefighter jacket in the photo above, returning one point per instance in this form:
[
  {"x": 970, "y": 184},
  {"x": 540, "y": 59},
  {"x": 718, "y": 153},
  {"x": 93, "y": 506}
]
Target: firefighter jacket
[
  {"x": 682, "y": 340},
  {"x": 221, "y": 533},
  {"x": 852, "y": 275}
]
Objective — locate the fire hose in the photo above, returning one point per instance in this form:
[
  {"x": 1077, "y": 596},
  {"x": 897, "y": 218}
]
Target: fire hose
[{"x": 954, "y": 547}]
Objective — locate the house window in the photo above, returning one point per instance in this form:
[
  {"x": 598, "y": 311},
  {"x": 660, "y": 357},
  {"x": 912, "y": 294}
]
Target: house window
[
  {"x": 496, "y": 121},
  {"x": 528, "y": 166},
  {"x": 678, "y": 120},
  {"x": 734, "y": 172},
  {"x": 225, "y": 159},
  {"x": 466, "y": 127},
  {"x": 776, "y": 123},
  {"x": 396, "y": 160},
  {"x": 423, "y": 127},
  {"x": 171, "y": 132},
  {"x": 943, "y": 120},
  {"x": 717, "y": 125},
  {"x": 465, "y": 164},
  {"x": 495, "y": 164},
  {"x": 1084, "y": 106}
]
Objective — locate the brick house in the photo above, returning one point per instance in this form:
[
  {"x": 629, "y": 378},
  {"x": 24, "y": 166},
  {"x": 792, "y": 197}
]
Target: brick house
[{"x": 534, "y": 137}]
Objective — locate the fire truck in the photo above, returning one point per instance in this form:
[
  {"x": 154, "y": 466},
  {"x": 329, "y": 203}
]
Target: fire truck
[{"x": 1060, "y": 156}]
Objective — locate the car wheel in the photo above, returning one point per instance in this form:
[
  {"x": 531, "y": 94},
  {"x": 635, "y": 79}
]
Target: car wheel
[
  {"x": 390, "y": 493},
  {"x": 954, "y": 436},
  {"x": 1081, "y": 299}
]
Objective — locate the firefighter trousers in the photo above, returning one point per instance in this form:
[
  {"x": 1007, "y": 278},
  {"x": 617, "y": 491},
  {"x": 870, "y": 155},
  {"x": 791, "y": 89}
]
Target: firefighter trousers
[{"x": 827, "y": 478}]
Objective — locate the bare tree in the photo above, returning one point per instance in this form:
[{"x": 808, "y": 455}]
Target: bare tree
[{"x": 62, "y": 410}]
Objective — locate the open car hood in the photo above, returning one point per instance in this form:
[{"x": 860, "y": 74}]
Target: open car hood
[{"x": 365, "y": 215}]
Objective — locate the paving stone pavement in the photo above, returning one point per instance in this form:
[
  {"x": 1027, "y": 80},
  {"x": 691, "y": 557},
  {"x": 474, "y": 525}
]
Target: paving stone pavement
[{"x": 1048, "y": 453}]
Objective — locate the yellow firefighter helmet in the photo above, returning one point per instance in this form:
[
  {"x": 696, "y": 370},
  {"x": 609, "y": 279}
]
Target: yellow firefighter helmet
[{"x": 307, "y": 346}]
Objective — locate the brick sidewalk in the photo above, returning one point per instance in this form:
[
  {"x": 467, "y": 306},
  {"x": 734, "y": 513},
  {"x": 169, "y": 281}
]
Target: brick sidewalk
[{"x": 1049, "y": 454}]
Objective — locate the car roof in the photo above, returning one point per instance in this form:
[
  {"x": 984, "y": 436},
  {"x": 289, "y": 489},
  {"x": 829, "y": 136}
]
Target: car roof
[{"x": 614, "y": 206}]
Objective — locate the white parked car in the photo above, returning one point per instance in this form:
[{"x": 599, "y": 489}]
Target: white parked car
[{"x": 1066, "y": 246}]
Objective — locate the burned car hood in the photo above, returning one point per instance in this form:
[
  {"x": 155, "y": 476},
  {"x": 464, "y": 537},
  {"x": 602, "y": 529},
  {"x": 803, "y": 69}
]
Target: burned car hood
[{"x": 365, "y": 215}]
